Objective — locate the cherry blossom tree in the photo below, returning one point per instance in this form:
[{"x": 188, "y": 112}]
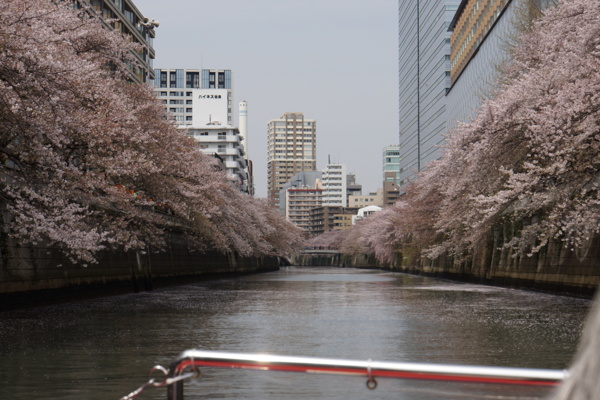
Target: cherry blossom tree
[
  {"x": 92, "y": 162},
  {"x": 530, "y": 158},
  {"x": 330, "y": 240}
]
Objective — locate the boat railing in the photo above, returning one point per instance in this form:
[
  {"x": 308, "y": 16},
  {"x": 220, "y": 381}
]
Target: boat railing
[{"x": 187, "y": 365}]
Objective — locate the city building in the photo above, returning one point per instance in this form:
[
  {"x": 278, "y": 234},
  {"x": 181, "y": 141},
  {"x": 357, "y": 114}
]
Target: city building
[
  {"x": 481, "y": 35},
  {"x": 303, "y": 179},
  {"x": 352, "y": 188},
  {"x": 292, "y": 148},
  {"x": 391, "y": 189},
  {"x": 344, "y": 220},
  {"x": 225, "y": 143},
  {"x": 391, "y": 160},
  {"x": 424, "y": 72},
  {"x": 371, "y": 199},
  {"x": 300, "y": 202},
  {"x": 196, "y": 97},
  {"x": 335, "y": 185},
  {"x": 123, "y": 16},
  {"x": 328, "y": 218},
  {"x": 201, "y": 103}
]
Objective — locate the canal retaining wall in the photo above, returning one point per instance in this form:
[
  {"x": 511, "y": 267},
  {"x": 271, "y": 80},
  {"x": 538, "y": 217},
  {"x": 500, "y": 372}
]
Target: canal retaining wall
[
  {"x": 37, "y": 275},
  {"x": 556, "y": 268}
]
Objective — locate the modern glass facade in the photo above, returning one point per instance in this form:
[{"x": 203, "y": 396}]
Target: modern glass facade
[
  {"x": 491, "y": 24},
  {"x": 424, "y": 68}
]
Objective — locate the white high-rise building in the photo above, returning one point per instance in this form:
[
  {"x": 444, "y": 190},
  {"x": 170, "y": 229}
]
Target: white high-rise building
[
  {"x": 201, "y": 102},
  {"x": 334, "y": 185}
]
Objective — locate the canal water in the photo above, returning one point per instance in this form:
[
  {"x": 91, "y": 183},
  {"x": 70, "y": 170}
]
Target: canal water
[{"x": 104, "y": 348}]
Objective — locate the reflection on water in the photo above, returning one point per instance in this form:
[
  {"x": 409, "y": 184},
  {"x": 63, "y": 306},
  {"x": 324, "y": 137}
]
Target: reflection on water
[{"x": 103, "y": 349}]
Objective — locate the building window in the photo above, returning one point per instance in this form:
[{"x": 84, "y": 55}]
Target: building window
[{"x": 192, "y": 80}]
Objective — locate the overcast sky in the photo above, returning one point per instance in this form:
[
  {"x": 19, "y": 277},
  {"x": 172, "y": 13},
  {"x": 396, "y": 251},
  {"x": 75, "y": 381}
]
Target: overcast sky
[{"x": 333, "y": 60}]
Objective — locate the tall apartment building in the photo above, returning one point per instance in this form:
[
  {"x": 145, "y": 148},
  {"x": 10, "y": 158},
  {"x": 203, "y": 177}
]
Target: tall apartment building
[
  {"x": 300, "y": 202},
  {"x": 292, "y": 148},
  {"x": 123, "y": 16},
  {"x": 334, "y": 185},
  {"x": 201, "y": 103},
  {"x": 424, "y": 68}
]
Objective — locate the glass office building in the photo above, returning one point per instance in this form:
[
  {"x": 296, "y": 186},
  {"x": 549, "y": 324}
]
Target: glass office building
[{"x": 424, "y": 68}]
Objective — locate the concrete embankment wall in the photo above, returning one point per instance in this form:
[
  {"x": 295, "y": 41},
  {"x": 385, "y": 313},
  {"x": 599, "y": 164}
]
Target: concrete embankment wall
[
  {"x": 39, "y": 275},
  {"x": 555, "y": 269}
]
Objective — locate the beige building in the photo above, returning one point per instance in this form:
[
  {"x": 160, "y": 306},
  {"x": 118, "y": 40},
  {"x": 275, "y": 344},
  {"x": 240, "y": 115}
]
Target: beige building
[
  {"x": 343, "y": 221},
  {"x": 299, "y": 203},
  {"x": 372, "y": 199},
  {"x": 329, "y": 218},
  {"x": 292, "y": 148}
]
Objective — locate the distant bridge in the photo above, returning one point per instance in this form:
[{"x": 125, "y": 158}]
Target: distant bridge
[{"x": 319, "y": 251}]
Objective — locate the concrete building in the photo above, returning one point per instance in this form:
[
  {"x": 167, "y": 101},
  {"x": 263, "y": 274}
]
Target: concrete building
[
  {"x": 196, "y": 97},
  {"x": 304, "y": 179},
  {"x": 352, "y": 188},
  {"x": 225, "y": 143},
  {"x": 328, "y": 218},
  {"x": 481, "y": 34},
  {"x": 391, "y": 160},
  {"x": 300, "y": 202},
  {"x": 201, "y": 102},
  {"x": 335, "y": 185},
  {"x": 424, "y": 68},
  {"x": 344, "y": 220},
  {"x": 391, "y": 189},
  {"x": 123, "y": 16},
  {"x": 292, "y": 148},
  {"x": 371, "y": 199}
]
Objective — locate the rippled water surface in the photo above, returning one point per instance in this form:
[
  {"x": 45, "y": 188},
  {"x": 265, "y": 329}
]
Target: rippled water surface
[{"x": 103, "y": 349}]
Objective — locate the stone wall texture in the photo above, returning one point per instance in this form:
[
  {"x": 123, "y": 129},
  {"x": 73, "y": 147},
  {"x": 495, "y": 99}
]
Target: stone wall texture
[
  {"x": 556, "y": 268},
  {"x": 33, "y": 275}
]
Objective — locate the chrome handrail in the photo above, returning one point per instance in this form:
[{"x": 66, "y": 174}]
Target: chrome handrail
[{"x": 191, "y": 360}]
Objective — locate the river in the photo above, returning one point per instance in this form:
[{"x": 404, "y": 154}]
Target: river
[{"x": 104, "y": 348}]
